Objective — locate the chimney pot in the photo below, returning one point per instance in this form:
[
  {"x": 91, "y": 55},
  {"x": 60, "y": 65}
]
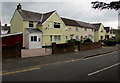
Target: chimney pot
[
  {"x": 19, "y": 6},
  {"x": 5, "y": 25}
]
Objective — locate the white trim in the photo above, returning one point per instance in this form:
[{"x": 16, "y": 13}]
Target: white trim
[
  {"x": 41, "y": 18},
  {"x": 51, "y": 16},
  {"x": 11, "y": 34}
]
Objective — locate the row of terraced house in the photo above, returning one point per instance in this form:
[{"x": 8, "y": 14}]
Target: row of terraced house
[{"x": 43, "y": 29}]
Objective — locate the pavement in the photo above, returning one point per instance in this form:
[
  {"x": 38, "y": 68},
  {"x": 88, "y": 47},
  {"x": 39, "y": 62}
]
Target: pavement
[
  {"x": 16, "y": 64},
  {"x": 25, "y": 53}
]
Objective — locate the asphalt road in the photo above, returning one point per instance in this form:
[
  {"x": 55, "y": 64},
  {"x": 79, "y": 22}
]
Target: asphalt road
[{"x": 101, "y": 68}]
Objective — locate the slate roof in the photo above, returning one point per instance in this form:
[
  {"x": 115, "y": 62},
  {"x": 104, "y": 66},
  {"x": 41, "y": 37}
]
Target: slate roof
[
  {"x": 33, "y": 30},
  {"x": 107, "y": 29},
  {"x": 35, "y": 16},
  {"x": 97, "y": 26},
  {"x": 70, "y": 22},
  {"x": 86, "y": 25}
]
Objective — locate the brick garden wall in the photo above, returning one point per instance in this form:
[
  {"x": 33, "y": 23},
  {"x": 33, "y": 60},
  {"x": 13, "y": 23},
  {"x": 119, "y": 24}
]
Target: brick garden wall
[
  {"x": 62, "y": 48},
  {"x": 88, "y": 46},
  {"x": 13, "y": 51}
]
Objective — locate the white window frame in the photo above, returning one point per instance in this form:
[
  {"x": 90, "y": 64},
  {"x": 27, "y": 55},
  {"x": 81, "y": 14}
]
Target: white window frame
[
  {"x": 57, "y": 38},
  {"x": 33, "y": 40},
  {"x": 77, "y": 37},
  {"x": 32, "y": 23}
]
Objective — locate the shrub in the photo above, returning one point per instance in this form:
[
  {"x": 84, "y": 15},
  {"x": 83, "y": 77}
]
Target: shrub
[
  {"x": 73, "y": 40},
  {"x": 69, "y": 41},
  {"x": 101, "y": 40},
  {"x": 87, "y": 40},
  {"x": 110, "y": 42},
  {"x": 118, "y": 40}
]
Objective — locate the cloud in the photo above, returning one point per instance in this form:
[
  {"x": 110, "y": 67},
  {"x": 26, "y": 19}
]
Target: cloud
[{"x": 80, "y": 10}]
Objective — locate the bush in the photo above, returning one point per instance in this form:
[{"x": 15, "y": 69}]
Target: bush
[
  {"x": 87, "y": 40},
  {"x": 101, "y": 40},
  {"x": 118, "y": 40},
  {"x": 110, "y": 42},
  {"x": 73, "y": 40}
]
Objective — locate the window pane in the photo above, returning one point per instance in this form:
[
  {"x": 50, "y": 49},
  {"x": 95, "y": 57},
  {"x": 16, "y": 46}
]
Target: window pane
[
  {"x": 31, "y": 24},
  {"x": 76, "y": 28},
  {"x": 35, "y": 38},
  {"x": 56, "y": 25},
  {"x": 57, "y": 38},
  {"x": 50, "y": 37},
  {"x": 39, "y": 39},
  {"x": 31, "y": 38}
]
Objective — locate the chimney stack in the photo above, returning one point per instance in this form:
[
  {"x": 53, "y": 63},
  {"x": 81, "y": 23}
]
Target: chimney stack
[{"x": 19, "y": 6}]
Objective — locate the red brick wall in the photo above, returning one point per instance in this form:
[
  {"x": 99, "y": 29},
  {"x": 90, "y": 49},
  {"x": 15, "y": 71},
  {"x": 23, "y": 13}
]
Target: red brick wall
[
  {"x": 62, "y": 48},
  {"x": 87, "y": 46}
]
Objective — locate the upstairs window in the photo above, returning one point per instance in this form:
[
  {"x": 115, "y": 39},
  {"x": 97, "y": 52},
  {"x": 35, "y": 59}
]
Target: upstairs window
[
  {"x": 56, "y": 25},
  {"x": 76, "y": 28},
  {"x": 85, "y": 29},
  {"x": 31, "y": 24}
]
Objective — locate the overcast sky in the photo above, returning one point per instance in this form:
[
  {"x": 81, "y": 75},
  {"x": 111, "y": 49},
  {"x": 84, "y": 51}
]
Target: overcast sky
[{"x": 79, "y": 10}]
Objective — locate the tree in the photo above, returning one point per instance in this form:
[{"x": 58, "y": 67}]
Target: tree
[{"x": 102, "y": 5}]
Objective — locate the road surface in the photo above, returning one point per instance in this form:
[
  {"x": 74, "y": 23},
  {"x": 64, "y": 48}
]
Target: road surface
[{"x": 99, "y": 68}]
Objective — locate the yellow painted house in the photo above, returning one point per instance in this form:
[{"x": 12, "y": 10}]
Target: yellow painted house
[
  {"x": 50, "y": 25},
  {"x": 42, "y": 29},
  {"x": 109, "y": 33},
  {"x": 78, "y": 30},
  {"x": 100, "y": 32}
]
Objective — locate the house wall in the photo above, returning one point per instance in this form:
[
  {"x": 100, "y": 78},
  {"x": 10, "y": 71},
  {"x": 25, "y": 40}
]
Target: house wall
[
  {"x": 81, "y": 32},
  {"x": 16, "y": 23},
  {"x": 47, "y": 30},
  {"x": 27, "y": 39},
  {"x": 98, "y": 33},
  {"x": 72, "y": 30},
  {"x": 19, "y": 25},
  {"x": 87, "y": 33},
  {"x": 26, "y": 25}
]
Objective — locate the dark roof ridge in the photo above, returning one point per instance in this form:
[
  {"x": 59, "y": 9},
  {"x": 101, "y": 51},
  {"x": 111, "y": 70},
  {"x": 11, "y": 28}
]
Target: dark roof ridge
[
  {"x": 50, "y": 12},
  {"x": 30, "y": 11}
]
